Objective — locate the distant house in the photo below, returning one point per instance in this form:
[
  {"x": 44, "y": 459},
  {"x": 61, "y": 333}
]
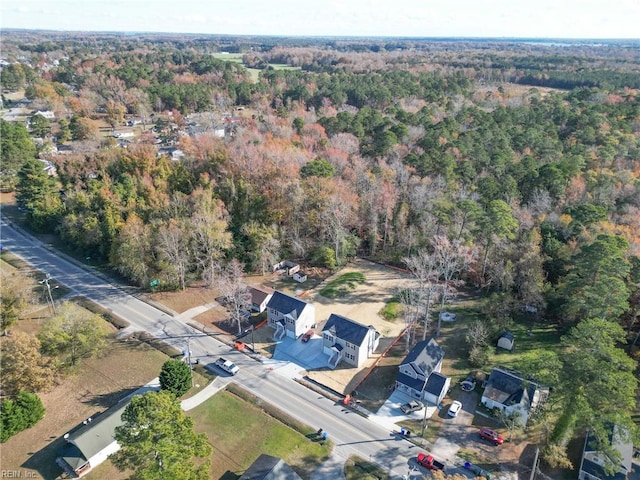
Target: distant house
[
  {"x": 593, "y": 461},
  {"x": 92, "y": 443},
  {"x": 509, "y": 391},
  {"x": 289, "y": 315},
  {"x": 260, "y": 296},
  {"x": 267, "y": 467},
  {"x": 345, "y": 339},
  {"x": 506, "y": 341},
  {"x": 414, "y": 376},
  {"x": 48, "y": 114},
  {"x": 286, "y": 266}
]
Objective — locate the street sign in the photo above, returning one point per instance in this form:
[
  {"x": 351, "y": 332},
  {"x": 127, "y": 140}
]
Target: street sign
[{"x": 154, "y": 283}]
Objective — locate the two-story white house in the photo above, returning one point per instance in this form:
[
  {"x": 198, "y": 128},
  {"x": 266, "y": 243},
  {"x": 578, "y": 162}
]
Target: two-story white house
[
  {"x": 289, "y": 315},
  {"x": 345, "y": 339},
  {"x": 419, "y": 373}
]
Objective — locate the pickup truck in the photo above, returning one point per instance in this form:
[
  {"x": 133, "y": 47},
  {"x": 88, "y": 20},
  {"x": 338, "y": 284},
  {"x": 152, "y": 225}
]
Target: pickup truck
[
  {"x": 427, "y": 461},
  {"x": 227, "y": 366}
]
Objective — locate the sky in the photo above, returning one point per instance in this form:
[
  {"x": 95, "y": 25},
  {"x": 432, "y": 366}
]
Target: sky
[{"x": 591, "y": 19}]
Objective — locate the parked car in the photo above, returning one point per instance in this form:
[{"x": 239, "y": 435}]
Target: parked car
[
  {"x": 227, "y": 366},
  {"x": 491, "y": 435},
  {"x": 307, "y": 336},
  {"x": 455, "y": 408},
  {"x": 412, "y": 406},
  {"x": 427, "y": 461}
]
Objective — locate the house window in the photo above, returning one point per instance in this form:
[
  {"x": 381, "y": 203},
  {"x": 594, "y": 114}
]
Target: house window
[{"x": 350, "y": 357}]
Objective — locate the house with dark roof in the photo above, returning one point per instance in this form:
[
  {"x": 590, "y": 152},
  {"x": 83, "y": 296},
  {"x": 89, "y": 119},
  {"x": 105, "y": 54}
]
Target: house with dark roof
[
  {"x": 345, "y": 339},
  {"x": 419, "y": 373},
  {"x": 91, "y": 444},
  {"x": 267, "y": 467},
  {"x": 260, "y": 297},
  {"x": 592, "y": 465},
  {"x": 509, "y": 391},
  {"x": 436, "y": 388},
  {"x": 289, "y": 315}
]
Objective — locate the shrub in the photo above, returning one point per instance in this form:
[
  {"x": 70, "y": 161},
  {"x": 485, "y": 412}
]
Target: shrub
[
  {"x": 175, "y": 377},
  {"x": 19, "y": 414},
  {"x": 479, "y": 356}
]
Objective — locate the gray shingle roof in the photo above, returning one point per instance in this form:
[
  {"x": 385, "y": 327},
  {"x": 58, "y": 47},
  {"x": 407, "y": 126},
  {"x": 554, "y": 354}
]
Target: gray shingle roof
[
  {"x": 346, "y": 329},
  {"x": 435, "y": 384},
  {"x": 267, "y": 467},
  {"x": 98, "y": 434},
  {"x": 286, "y": 304},
  {"x": 509, "y": 388},
  {"x": 425, "y": 356}
]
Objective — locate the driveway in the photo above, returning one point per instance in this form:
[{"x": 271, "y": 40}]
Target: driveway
[{"x": 456, "y": 432}]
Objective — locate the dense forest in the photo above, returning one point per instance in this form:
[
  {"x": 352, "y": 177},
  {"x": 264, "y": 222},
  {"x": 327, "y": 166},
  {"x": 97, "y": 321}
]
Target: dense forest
[{"x": 526, "y": 154}]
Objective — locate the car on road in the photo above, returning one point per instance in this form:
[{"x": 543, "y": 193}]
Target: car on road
[
  {"x": 307, "y": 336},
  {"x": 227, "y": 366},
  {"x": 491, "y": 435},
  {"x": 454, "y": 409},
  {"x": 411, "y": 406}
]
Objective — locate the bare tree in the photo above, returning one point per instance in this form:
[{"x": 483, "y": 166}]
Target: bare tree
[
  {"x": 209, "y": 233},
  {"x": 424, "y": 267},
  {"x": 174, "y": 247},
  {"x": 478, "y": 334},
  {"x": 452, "y": 259},
  {"x": 411, "y": 307},
  {"x": 16, "y": 293},
  {"x": 235, "y": 291}
]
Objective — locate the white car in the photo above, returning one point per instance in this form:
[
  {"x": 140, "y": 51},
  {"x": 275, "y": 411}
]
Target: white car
[
  {"x": 227, "y": 366},
  {"x": 455, "y": 408}
]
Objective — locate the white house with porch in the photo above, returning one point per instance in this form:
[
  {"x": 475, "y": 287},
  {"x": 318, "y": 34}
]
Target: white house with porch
[
  {"x": 289, "y": 315},
  {"x": 415, "y": 373},
  {"x": 510, "y": 391},
  {"x": 345, "y": 339}
]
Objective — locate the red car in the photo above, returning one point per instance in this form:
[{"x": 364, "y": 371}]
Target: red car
[
  {"x": 307, "y": 336},
  {"x": 492, "y": 436}
]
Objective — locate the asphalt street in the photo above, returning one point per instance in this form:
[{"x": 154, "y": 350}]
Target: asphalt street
[{"x": 350, "y": 432}]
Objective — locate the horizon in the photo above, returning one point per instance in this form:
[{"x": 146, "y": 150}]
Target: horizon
[
  {"x": 320, "y": 36},
  {"x": 473, "y": 19}
]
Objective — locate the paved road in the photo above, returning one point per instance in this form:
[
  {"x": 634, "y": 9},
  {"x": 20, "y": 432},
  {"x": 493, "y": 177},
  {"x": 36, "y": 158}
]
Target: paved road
[{"x": 271, "y": 381}]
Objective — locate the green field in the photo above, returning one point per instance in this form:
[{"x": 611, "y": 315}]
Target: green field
[
  {"x": 341, "y": 286},
  {"x": 241, "y": 431}
]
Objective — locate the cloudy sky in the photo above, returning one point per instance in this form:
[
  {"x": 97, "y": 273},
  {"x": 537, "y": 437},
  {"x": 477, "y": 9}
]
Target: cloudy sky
[{"x": 407, "y": 18}]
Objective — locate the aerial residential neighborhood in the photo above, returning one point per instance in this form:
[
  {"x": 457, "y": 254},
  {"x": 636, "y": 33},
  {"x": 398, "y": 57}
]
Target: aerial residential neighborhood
[{"x": 259, "y": 257}]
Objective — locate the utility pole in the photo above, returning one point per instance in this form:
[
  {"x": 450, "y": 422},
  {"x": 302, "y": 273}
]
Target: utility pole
[
  {"x": 424, "y": 418},
  {"x": 189, "y": 360},
  {"x": 50, "y": 298}
]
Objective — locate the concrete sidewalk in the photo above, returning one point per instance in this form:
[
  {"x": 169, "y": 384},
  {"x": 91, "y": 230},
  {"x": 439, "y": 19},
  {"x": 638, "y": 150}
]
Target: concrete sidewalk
[{"x": 203, "y": 395}]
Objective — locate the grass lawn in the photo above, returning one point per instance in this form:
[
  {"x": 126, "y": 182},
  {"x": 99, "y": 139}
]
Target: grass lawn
[
  {"x": 240, "y": 431},
  {"x": 343, "y": 285},
  {"x": 96, "y": 384},
  {"x": 392, "y": 309},
  {"x": 356, "y": 468}
]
